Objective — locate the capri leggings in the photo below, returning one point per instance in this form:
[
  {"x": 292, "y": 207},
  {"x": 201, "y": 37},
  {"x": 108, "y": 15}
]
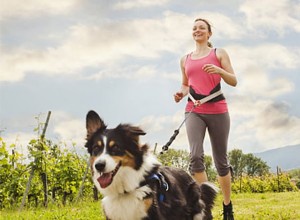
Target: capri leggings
[{"x": 218, "y": 126}]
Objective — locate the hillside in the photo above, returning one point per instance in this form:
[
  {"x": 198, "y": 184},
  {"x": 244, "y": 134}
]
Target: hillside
[{"x": 286, "y": 158}]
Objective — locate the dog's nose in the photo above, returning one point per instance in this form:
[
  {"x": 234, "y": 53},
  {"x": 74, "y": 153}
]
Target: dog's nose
[{"x": 100, "y": 166}]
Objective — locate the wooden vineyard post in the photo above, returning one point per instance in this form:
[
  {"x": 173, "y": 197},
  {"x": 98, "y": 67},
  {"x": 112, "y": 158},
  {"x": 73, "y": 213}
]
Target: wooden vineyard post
[{"x": 33, "y": 170}]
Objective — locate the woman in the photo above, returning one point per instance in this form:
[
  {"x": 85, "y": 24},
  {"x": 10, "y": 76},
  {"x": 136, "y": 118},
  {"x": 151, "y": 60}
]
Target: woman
[{"x": 202, "y": 72}]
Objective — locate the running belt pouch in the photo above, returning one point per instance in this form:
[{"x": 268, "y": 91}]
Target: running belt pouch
[{"x": 198, "y": 96}]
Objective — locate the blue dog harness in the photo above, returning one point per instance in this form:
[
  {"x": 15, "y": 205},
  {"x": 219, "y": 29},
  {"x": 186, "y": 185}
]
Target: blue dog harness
[
  {"x": 157, "y": 180},
  {"x": 163, "y": 185}
]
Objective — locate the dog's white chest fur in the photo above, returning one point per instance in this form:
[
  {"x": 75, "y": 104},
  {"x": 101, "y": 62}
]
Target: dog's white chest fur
[{"x": 126, "y": 206}]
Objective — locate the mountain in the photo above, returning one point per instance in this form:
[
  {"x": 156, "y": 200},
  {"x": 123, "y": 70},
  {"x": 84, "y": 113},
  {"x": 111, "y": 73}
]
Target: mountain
[{"x": 286, "y": 158}]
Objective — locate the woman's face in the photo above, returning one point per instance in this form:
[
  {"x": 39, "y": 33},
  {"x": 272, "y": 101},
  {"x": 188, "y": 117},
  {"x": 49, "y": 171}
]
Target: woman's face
[{"x": 201, "y": 32}]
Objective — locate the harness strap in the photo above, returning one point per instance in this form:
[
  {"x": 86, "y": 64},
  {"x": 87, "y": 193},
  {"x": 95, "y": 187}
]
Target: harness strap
[
  {"x": 215, "y": 95},
  {"x": 207, "y": 98},
  {"x": 159, "y": 180}
]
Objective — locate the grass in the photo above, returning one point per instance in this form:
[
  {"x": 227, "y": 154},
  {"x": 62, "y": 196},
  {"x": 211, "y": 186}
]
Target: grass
[
  {"x": 266, "y": 206},
  {"x": 83, "y": 210}
]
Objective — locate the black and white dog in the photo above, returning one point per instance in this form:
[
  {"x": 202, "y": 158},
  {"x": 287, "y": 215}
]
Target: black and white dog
[{"x": 133, "y": 183}]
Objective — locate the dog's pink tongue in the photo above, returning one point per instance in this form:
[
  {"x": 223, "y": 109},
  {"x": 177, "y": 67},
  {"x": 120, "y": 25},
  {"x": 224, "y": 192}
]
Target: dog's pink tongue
[{"x": 105, "y": 180}]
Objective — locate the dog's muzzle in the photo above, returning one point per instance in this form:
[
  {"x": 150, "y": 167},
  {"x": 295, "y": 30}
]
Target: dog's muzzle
[{"x": 105, "y": 179}]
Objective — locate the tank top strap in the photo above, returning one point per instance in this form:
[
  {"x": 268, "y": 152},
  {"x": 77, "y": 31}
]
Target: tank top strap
[{"x": 187, "y": 57}]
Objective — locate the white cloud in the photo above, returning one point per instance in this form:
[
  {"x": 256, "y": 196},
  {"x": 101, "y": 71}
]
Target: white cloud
[
  {"x": 261, "y": 124},
  {"x": 134, "y": 71},
  {"x": 18, "y": 141},
  {"x": 276, "y": 127},
  {"x": 68, "y": 128},
  {"x": 63, "y": 129},
  {"x": 105, "y": 45},
  {"x": 263, "y": 70},
  {"x": 279, "y": 16},
  {"x": 93, "y": 46},
  {"x": 14, "y": 64},
  {"x": 130, "y": 4},
  {"x": 264, "y": 56},
  {"x": 34, "y": 8},
  {"x": 257, "y": 83}
]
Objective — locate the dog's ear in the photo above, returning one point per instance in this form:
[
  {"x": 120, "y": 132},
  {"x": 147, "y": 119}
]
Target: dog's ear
[
  {"x": 135, "y": 134},
  {"x": 93, "y": 123},
  {"x": 132, "y": 131}
]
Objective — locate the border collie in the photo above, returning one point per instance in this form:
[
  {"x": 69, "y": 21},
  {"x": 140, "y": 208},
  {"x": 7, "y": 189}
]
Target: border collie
[{"x": 133, "y": 183}]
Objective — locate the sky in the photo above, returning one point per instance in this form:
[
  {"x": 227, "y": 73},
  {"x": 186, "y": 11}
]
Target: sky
[{"x": 121, "y": 59}]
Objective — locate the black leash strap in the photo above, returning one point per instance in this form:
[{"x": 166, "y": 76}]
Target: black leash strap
[{"x": 176, "y": 132}]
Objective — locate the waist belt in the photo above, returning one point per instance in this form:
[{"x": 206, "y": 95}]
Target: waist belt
[{"x": 215, "y": 95}]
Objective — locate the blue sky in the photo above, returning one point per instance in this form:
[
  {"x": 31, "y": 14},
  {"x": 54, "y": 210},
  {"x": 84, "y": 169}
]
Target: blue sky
[{"x": 121, "y": 59}]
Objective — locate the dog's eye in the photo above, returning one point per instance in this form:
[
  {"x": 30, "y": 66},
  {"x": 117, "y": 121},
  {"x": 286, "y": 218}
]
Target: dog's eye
[
  {"x": 117, "y": 150},
  {"x": 97, "y": 150}
]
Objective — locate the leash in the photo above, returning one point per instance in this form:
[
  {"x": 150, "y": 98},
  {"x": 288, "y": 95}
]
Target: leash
[{"x": 176, "y": 132}]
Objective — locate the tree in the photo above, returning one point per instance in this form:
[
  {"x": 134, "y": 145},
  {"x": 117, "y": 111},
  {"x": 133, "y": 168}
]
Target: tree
[
  {"x": 180, "y": 159},
  {"x": 247, "y": 164},
  {"x": 175, "y": 158},
  {"x": 210, "y": 170},
  {"x": 295, "y": 176},
  {"x": 237, "y": 161},
  {"x": 255, "y": 166}
]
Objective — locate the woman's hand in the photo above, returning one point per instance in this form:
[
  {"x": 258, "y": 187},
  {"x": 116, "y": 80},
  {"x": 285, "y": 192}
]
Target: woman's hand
[
  {"x": 228, "y": 77},
  {"x": 212, "y": 69},
  {"x": 178, "y": 96},
  {"x": 197, "y": 103}
]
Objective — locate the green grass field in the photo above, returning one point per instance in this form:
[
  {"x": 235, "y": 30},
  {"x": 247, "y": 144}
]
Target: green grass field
[{"x": 267, "y": 206}]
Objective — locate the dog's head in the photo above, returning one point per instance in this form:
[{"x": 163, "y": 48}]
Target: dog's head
[{"x": 111, "y": 150}]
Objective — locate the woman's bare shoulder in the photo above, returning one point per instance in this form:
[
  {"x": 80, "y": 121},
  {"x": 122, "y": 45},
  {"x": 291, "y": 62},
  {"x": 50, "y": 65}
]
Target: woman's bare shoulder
[{"x": 221, "y": 53}]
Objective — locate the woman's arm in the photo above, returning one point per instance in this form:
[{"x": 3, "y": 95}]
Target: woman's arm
[
  {"x": 184, "y": 90},
  {"x": 226, "y": 70}
]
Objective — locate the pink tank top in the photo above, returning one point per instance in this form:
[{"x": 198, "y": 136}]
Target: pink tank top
[{"x": 203, "y": 83}]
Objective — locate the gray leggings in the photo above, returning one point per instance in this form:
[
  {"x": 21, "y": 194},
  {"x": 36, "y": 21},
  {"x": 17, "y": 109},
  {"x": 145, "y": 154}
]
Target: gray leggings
[{"x": 218, "y": 126}]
